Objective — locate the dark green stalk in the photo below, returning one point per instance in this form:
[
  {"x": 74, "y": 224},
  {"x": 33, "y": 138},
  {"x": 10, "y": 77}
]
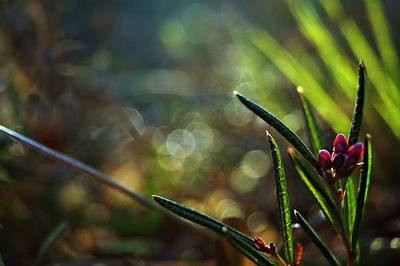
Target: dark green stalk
[
  {"x": 313, "y": 130},
  {"x": 363, "y": 190},
  {"x": 283, "y": 201},
  {"x": 284, "y": 130},
  {"x": 242, "y": 242},
  {"x": 316, "y": 239},
  {"x": 358, "y": 108}
]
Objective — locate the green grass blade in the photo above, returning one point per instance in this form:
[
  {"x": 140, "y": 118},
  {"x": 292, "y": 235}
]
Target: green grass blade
[
  {"x": 238, "y": 239},
  {"x": 316, "y": 239},
  {"x": 49, "y": 241},
  {"x": 349, "y": 207},
  {"x": 299, "y": 75},
  {"x": 1, "y": 261},
  {"x": 283, "y": 201},
  {"x": 363, "y": 190},
  {"x": 317, "y": 188},
  {"x": 384, "y": 40},
  {"x": 280, "y": 127},
  {"x": 358, "y": 108},
  {"x": 314, "y": 29},
  {"x": 313, "y": 129},
  {"x": 385, "y": 86},
  {"x": 80, "y": 166}
]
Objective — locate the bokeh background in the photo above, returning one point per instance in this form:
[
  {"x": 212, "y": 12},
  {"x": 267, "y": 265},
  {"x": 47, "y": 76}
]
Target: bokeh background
[{"x": 142, "y": 90}]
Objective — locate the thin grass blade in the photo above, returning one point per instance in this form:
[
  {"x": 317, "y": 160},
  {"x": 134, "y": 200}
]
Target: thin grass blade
[
  {"x": 385, "y": 86},
  {"x": 313, "y": 129},
  {"x": 299, "y": 75},
  {"x": 283, "y": 200},
  {"x": 316, "y": 239},
  {"x": 240, "y": 240},
  {"x": 358, "y": 108},
  {"x": 49, "y": 241},
  {"x": 363, "y": 190},
  {"x": 280, "y": 127},
  {"x": 1, "y": 261},
  {"x": 381, "y": 29},
  {"x": 80, "y": 166},
  {"x": 317, "y": 188}
]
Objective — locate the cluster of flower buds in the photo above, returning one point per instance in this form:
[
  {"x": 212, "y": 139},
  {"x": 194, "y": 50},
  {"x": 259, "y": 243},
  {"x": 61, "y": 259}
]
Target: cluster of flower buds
[
  {"x": 343, "y": 161},
  {"x": 260, "y": 245}
]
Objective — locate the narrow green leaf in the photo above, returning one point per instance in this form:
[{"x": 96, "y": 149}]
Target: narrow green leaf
[
  {"x": 297, "y": 143},
  {"x": 316, "y": 239},
  {"x": 283, "y": 201},
  {"x": 80, "y": 166},
  {"x": 318, "y": 189},
  {"x": 240, "y": 240},
  {"x": 358, "y": 108},
  {"x": 363, "y": 190},
  {"x": 384, "y": 40},
  {"x": 247, "y": 249},
  {"x": 349, "y": 207},
  {"x": 313, "y": 184},
  {"x": 313, "y": 129},
  {"x": 49, "y": 241}
]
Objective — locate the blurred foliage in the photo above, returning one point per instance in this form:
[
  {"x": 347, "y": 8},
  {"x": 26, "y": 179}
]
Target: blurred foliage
[{"x": 142, "y": 91}]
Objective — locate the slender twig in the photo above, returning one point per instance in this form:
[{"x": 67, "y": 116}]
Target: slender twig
[{"x": 84, "y": 168}]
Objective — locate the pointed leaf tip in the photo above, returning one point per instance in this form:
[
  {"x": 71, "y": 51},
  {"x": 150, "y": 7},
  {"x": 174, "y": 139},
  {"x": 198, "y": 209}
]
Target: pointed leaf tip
[
  {"x": 300, "y": 90},
  {"x": 291, "y": 151},
  {"x": 361, "y": 65},
  {"x": 269, "y": 136}
]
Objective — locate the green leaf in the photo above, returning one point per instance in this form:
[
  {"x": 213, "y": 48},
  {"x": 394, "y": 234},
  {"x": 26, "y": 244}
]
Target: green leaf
[
  {"x": 1, "y": 261},
  {"x": 363, "y": 190},
  {"x": 283, "y": 201},
  {"x": 49, "y": 241},
  {"x": 237, "y": 239},
  {"x": 317, "y": 188},
  {"x": 358, "y": 108},
  {"x": 316, "y": 239},
  {"x": 349, "y": 206},
  {"x": 313, "y": 129},
  {"x": 80, "y": 166},
  {"x": 297, "y": 143}
]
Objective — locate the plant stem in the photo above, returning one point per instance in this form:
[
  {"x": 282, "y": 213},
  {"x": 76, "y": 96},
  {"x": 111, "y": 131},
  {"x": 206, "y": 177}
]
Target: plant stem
[
  {"x": 338, "y": 200},
  {"x": 350, "y": 254},
  {"x": 279, "y": 259}
]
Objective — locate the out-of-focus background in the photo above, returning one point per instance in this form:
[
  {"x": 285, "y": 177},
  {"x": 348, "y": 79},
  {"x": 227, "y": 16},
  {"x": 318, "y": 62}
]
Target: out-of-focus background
[{"x": 142, "y": 90}]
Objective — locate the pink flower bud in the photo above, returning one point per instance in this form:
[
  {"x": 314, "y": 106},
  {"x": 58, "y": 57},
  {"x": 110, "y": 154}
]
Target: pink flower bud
[
  {"x": 340, "y": 144},
  {"x": 355, "y": 153},
  {"x": 260, "y": 244},
  {"x": 324, "y": 160}
]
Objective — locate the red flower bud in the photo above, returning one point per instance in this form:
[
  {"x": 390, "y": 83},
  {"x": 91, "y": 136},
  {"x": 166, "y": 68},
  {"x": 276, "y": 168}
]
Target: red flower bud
[
  {"x": 355, "y": 153},
  {"x": 340, "y": 144},
  {"x": 324, "y": 160},
  {"x": 260, "y": 245},
  {"x": 339, "y": 161}
]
